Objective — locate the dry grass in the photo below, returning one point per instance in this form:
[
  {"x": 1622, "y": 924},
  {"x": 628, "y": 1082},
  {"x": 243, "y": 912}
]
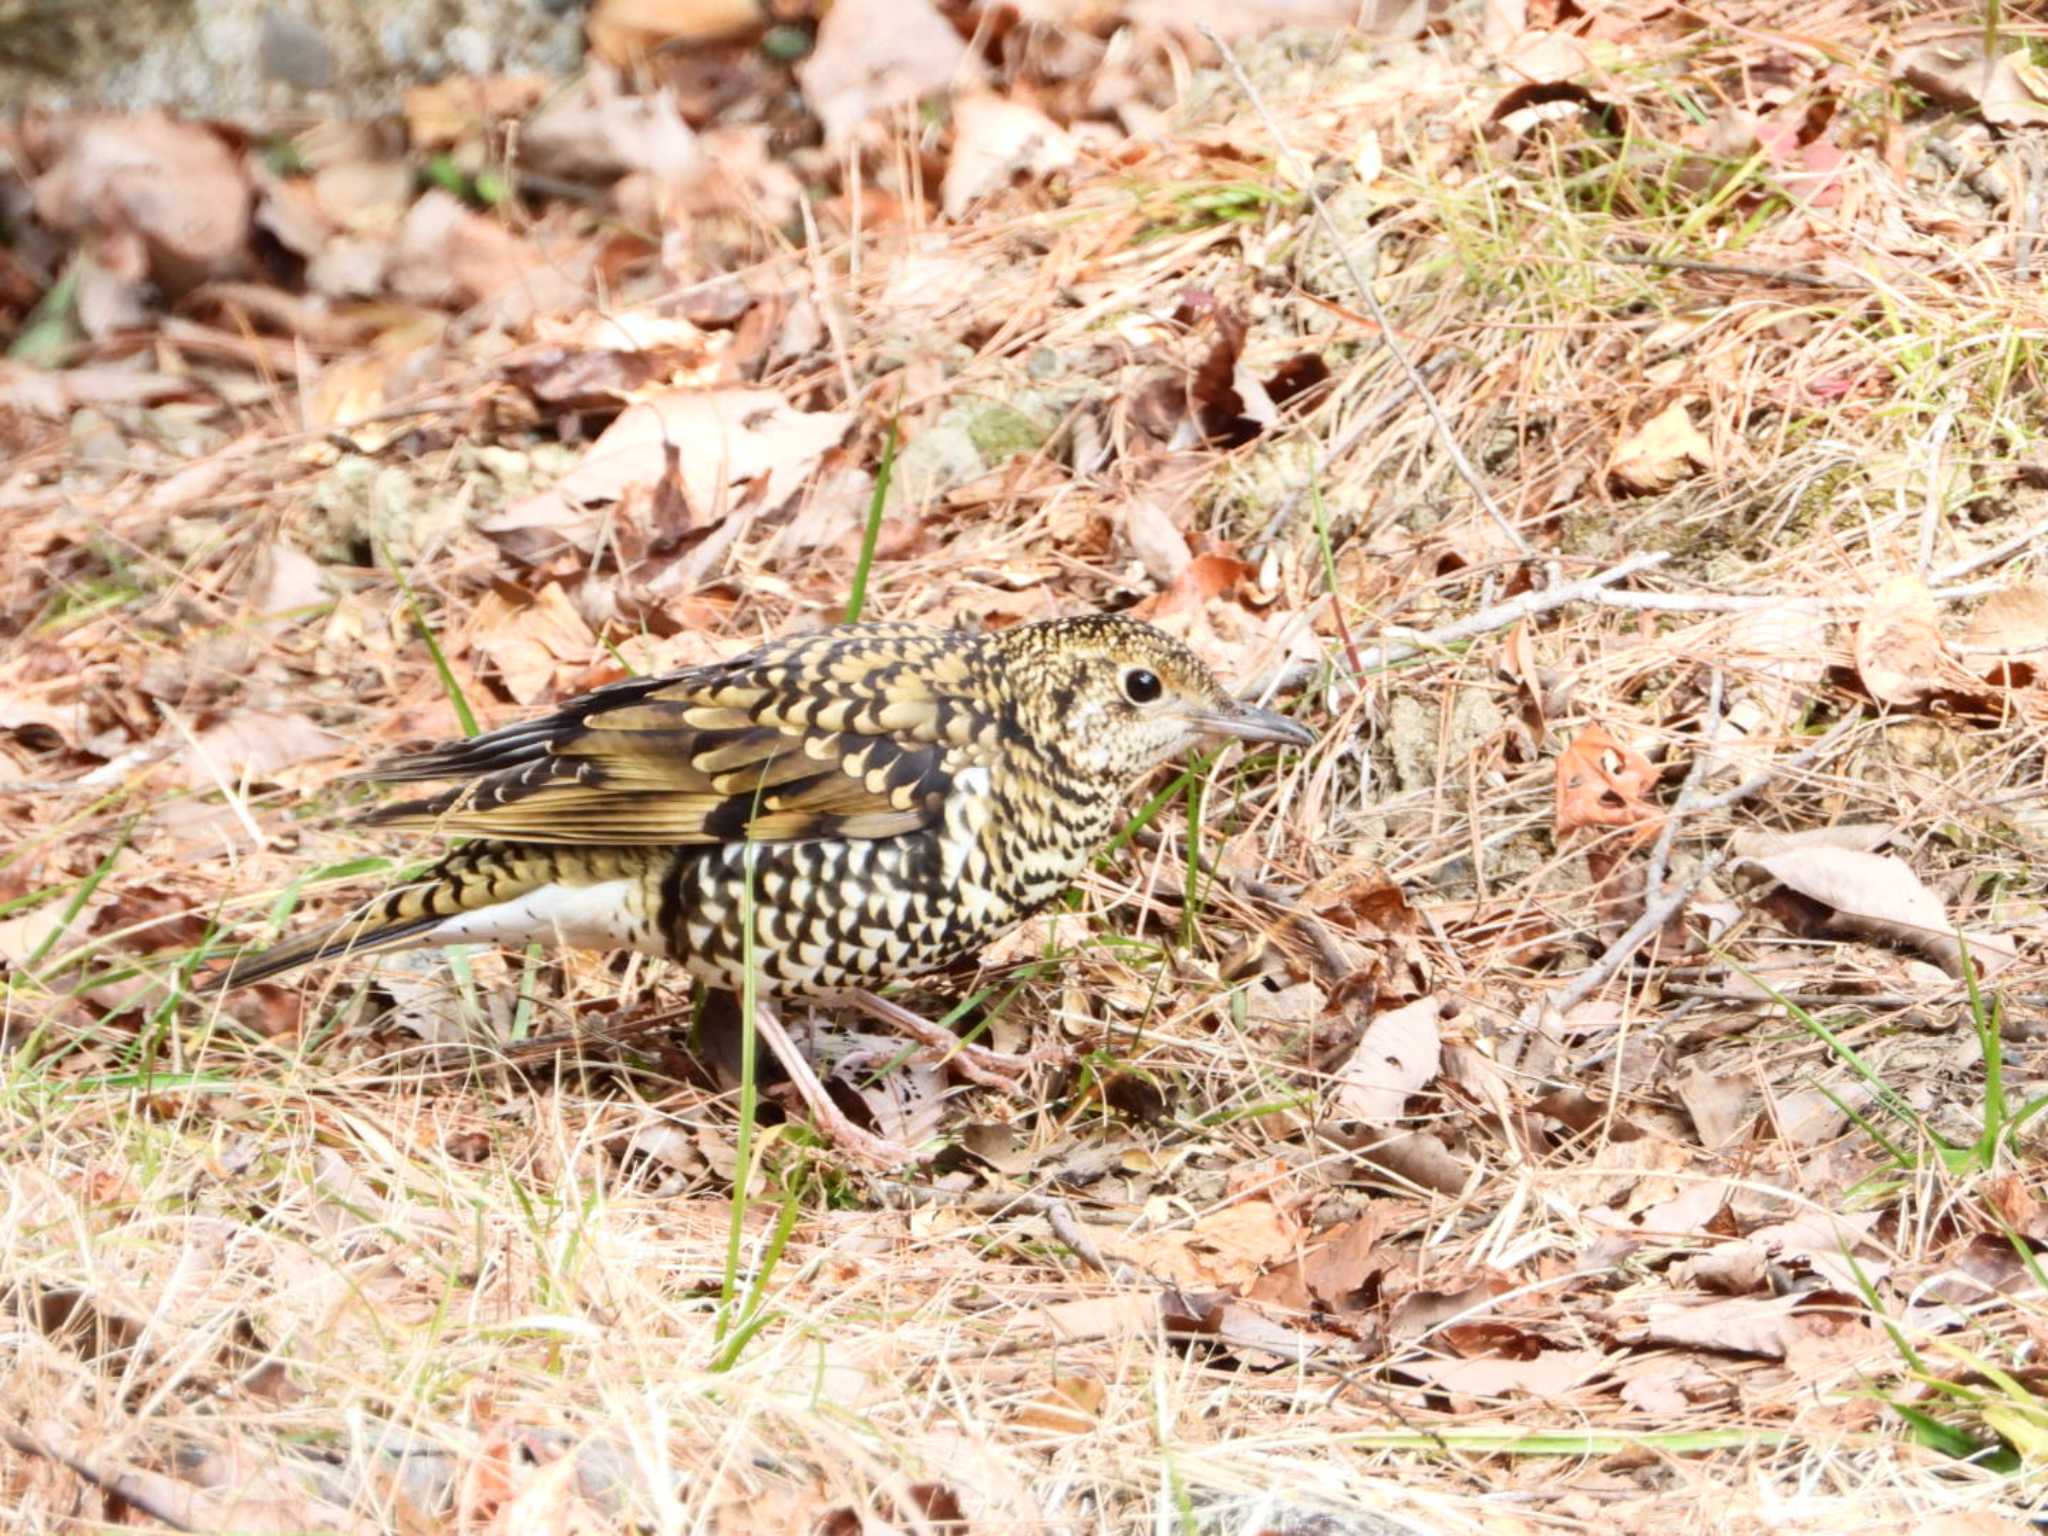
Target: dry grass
[{"x": 363, "y": 1256}]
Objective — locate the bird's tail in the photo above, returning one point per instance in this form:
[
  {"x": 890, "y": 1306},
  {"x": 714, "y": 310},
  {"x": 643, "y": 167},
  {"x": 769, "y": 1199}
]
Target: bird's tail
[{"x": 478, "y": 875}]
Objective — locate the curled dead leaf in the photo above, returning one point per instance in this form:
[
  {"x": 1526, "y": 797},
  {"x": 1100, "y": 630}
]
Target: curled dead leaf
[
  {"x": 1602, "y": 781},
  {"x": 2011, "y": 622},
  {"x": 876, "y": 53},
  {"x": 995, "y": 139},
  {"x": 727, "y": 447},
  {"x": 1661, "y": 452},
  {"x": 1156, "y": 540},
  {"x": 2009, "y": 92},
  {"x": 1899, "y": 652},
  {"x": 174, "y": 187},
  {"x": 533, "y": 645},
  {"x": 1398, "y": 1055},
  {"x": 1877, "y": 896}
]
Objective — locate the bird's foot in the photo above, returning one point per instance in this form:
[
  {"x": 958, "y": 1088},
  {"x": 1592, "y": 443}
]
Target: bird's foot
[
  {"x": 838, "y": 1127},
  {"x": 1003, "y": 1070}
]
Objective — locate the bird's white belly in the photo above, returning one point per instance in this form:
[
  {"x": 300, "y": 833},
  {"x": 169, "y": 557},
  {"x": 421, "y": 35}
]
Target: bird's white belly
[{"x": 605, "y": 915}]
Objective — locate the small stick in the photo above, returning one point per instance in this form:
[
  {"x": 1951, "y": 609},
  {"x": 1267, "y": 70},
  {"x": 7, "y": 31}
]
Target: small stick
[
  {"x": 1660, "y": 852},
  {"x": 1659, "y": 905},
  {"x": 1772, "y": 770},
  {"x": 1659, "y": 911},
  {"x": 1654, "y": 917},
  {"x": 1713, "y": 602},
  {"x": 2024, "y": 539},
  {"x": 1844, "y": 998},
  {"x": 1730, "y": 268},
  {"x": 1930, "y": 514},
  {"x": 2030, "y": 213},
  {"x": 1060, "y": 1217},
  {"x": 1466, "y": 469},
  {"x": 1409, "y": 642}
]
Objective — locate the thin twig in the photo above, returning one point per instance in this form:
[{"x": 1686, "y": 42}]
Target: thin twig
[
  {"x": 1660, "y": 851},
  {"x": 2027, "y": 538},
  {"x": 1659, "y": 905},
  {"x": 994, "y": 1202},
  {"x": 1781, "y": 766},
  {"x": 1617, "y": 954},
  {"x": 1060, "y": 1217},
  {"x": 1659, "y": 911},
  {"x": 1305, "y": 175},
  {"x": 1946, "y": 997},
  {"x": 1729, "y": 269},
  {"x": 1409, "y": 642},
  {"x": 1715, "y": 602},
  {"x": 1930, "y": 512},
  {"x": 2030, "y": 212}
]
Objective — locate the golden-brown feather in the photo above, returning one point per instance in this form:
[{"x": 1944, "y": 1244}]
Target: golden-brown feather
[{"x": 822, "y": 736}]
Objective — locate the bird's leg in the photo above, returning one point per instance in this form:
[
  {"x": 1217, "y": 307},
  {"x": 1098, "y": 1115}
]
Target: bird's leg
[
  {"x": 977, "y": 1063},
  {"x": 831, "y": 1119}
]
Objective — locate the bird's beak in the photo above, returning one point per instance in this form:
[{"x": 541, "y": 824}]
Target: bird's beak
[{"x": 1247, "y": 723}]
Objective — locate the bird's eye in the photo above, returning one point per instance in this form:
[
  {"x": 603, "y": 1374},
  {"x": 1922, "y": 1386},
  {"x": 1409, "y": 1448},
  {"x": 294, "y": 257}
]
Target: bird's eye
[{"x": 1142, "y": 686}]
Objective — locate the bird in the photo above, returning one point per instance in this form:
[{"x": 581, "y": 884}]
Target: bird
[{"x": 834, "y": 810}]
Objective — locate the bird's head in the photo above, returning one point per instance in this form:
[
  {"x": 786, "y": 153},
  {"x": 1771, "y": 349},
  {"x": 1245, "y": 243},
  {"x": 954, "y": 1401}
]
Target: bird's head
[{"x": 1118, "y": 697}]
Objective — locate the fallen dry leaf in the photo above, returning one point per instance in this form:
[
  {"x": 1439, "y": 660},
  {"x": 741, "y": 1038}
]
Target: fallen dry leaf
[
  {"x": 1067, "y": 1407},
  {"x": 1743, "y": 1325},
  {"x": 464, "y": 106},
  {"x": 173, "y": 186},
  {"x": 1398, "y": 1055},
  {"x": 445, "y": 254},
  {"x": 1225, "y": 1250},
  {"x": 1214, "y": 573},
  {"x": 533, "y": 644},
  {"x": 2011, "y": 92},
  {"x": 2011, "y": 622},
  {"x": 877, "y": 53},
  {"x": 729, "y": 447},
  {"x": 1548, "y": 1374},
  {"x": 251, "y": 746},
  {"x": 1899, "y": 652},
  {"x": 1767, "y": 842},
  {"x": 42, "y": 929},
  {"x": 599, "y": 130},
  {"x": 1877, "y": 896},
  {"x": 1232, "y": 19},
  {"x": 1720, "y": 1105},
  {"x": 1421, "y": 1312},
  {"x": 1661, "y": 452},
  {"x": 1601, "y": 782},
  {"x": 995, "y": 139},
  {"x": 1340, "y": 1270},
  {"x": 1155, "y": 539},
  {"x": 622, "y": 31}
]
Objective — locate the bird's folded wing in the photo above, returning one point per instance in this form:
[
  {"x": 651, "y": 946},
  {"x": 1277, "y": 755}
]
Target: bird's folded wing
[{"x": 825, "y": 737}]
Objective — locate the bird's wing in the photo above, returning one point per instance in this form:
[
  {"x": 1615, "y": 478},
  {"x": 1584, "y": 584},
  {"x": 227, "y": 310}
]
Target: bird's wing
[{"x": 854, "y": 733}]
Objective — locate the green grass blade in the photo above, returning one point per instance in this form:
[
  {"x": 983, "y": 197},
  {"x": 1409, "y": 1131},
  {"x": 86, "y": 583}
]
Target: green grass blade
[
  {"x": 857, "y": 597},
  {"x": 79, "y": 898},
  {"x": 463, "y": 713}
]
